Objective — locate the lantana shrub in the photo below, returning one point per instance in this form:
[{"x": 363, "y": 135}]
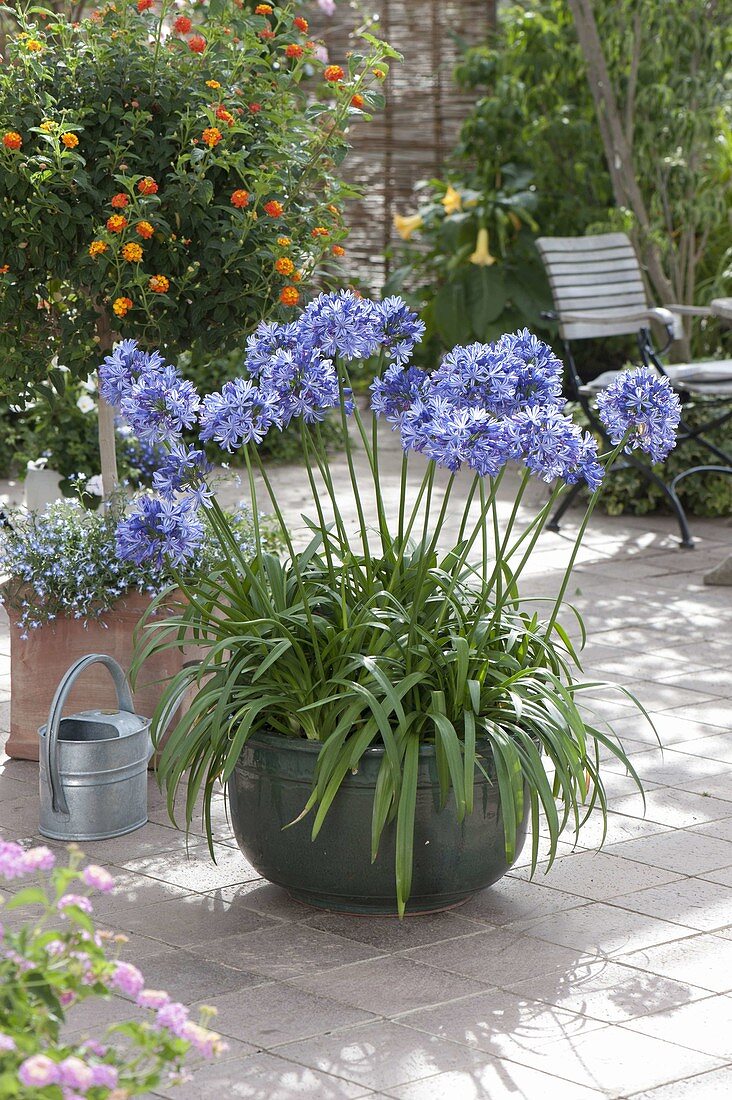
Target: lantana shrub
[
  {"x": 168, "y": 172},
  {"x": 56, "y": 958}
]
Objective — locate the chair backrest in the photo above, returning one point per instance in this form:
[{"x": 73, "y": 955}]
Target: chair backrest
[{"x": 597, "y": 275}]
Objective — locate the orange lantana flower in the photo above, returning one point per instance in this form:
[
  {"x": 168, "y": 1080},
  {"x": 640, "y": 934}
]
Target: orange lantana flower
[
  {"x": 333, "y": 73},
  {"x": 12, "y": 140},
  {"x": 225, "y": 116},
  {"x": 132, "y": 253},
  {"x": 240, "y": 198},
  {"x": 197, "y": 44},
  {"x": 160, "y": 284},
  {"x": 283, "y": 242},
  {"x": 116, "y": 223},
  {"x": 122, "y": 306},
  {"x": 147, "y": 186},
  {"x": 213, "y": 84},
  {"x": 319, "y": 231},
  {"x": 211, "y": 136},
  {"x": 182, "y": 24},
  {"x": 284, "y": 266},
  {"x": 301, "y": 24},
  {"x": 293, "y": 50},
  {"x": 290, "y": 296},
  {"x": 70, "y": 140},
  {"x": 263, "y": 9},
  {"x": 119, "y": 201},
  {"x": 337, "y": 250},
  {"x": 144, "y": 230},
  {"x": 274, "y": 208},
  {"x": 358, "y": 102},
  {"x": 96, "y": 248}
]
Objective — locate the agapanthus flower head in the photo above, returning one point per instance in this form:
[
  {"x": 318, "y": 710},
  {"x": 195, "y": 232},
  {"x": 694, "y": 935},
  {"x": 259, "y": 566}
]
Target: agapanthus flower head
[
  {"x": 393, "y": 394},
  {"x": 451, "y": 435},
  {"x": 266, "y": 339},
  {"x": 341, "y": 323},
  {"x": 183, "y": 469},
  {"x": 160, "y": 404},
  {"x": 640, "y": 405},
  {"x": 160, "y": 531},
  {"x": 240, "y": 413},
  {"x": 123, "y": 367},
  {"x": 552, "y": 446},
  {"x": 477, "y": 375},
  {"x": 302, "y": 382},
  {"x": 535, "y": 368},
  {"x": 398, "y": 328}
]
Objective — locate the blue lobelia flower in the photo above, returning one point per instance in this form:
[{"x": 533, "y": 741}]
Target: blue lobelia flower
[
  {"x": 240, "y": 413},
  {"x": 397, "y": 328},
  {"x": 394, "y": 393},
  {"x": 641, "y": 404},
  {"x": 160, "y": 404},
  {"x": 342, "y": 324},
  {"x": 123, "y": 367},
  {"x": 160, "y": 531}
]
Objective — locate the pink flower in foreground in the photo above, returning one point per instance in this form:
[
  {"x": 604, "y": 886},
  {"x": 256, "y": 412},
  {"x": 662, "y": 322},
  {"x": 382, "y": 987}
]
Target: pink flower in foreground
[
  {"x": 15, "y": 861},
  {"x": 76, "y": 1074},
  {"x": 38, "y": 1071},
  {"x": 77, "y": 900},
  {"x": 39, "y": 859},
  {"x": 104, "y": 1076},
  {"x": 128, "y": 979},
  {"x": 153, "y": 998},
  {"x": 97, "y": 878},
  {"x": 174, "y": 1016}
]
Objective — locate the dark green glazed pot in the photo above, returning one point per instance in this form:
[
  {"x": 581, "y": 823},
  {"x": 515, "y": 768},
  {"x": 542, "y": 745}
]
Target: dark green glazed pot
[{"x": 270, "y": 785}]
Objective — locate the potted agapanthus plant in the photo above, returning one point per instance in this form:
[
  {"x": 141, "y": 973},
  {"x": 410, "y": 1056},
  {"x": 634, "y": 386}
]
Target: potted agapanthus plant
[{"x": 388, "y": 716}]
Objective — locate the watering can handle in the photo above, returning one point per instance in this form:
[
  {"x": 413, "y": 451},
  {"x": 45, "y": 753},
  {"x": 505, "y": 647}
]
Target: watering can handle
[{"x": 50, "y": 741}]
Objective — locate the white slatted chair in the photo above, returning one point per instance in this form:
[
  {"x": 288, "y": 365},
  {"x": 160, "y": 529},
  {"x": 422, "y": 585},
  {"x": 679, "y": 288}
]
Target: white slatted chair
[{"x": 598, "y": 290}]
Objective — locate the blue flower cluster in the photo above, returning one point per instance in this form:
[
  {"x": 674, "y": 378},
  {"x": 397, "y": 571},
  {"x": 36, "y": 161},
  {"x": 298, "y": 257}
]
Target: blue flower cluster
[
  {"x": 487, "y": 404},
  {"x": 641, "y": 406}
]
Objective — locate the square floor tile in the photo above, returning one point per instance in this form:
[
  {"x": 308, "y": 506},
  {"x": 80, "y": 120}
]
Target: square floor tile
[
  {"x": 498, "y": 957},
  {"x": 494, "y": 1081},
  {"x": 687, "y": 902},
  {"x": 598, "y": 876},
  {"x": 516, "y": 900},
  {"x": 703, "y": 960},
  {"x": 389, "y": 985},
  {"x": 703, "y": 1025},
  {"x": 278, "y": 1012},
  {"x": 188, "y": 977},
  {"x": 602, "y": 929},
  {"x": 194, "y": 870},
  {"x": 714, "y": 1085},
  {"x": 389, "y": 934},
  {"x": 681, "y": 850},
  {"x": 193, "y": 919},
  {"x": 286, "y": 951},
  {"x": 262, "y": 1077},
  {"x": 607, "y": 991}
]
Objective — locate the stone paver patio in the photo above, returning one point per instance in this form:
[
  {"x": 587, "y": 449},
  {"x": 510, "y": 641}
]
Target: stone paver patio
[{"x": 610, "y": 976}]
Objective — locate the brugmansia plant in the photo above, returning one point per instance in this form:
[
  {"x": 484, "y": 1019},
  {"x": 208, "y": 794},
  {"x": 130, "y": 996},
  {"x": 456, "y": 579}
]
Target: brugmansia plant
[
  {"x": 383, "y": 639},
  {"x": 168, "y": 174}
]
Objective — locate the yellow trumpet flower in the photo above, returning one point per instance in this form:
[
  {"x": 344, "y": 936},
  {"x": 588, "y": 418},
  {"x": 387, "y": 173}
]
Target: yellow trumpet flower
[
  {"x": 482, "y": 255},
  {"x": 405, "y": 225},
  {"x": 452, "y": 200}
]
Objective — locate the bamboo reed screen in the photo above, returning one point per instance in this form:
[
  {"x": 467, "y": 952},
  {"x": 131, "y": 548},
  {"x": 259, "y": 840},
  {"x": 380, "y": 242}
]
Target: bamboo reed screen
[{"x": 411, "y": 138}]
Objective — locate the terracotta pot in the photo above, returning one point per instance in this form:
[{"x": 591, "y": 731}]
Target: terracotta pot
[{"x": 38, "y": 663}]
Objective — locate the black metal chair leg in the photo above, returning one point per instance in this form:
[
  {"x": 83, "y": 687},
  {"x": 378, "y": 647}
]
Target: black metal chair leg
[
  {"x": 554, "y": 522},
  {"x": 670, "y": 493}
]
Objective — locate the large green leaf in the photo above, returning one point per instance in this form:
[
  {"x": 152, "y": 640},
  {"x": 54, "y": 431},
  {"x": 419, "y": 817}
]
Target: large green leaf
[{"x": 486, "y": 296}]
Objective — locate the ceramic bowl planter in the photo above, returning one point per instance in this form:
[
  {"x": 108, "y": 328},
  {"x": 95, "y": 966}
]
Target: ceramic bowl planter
[{"x": 269, "y": 787}]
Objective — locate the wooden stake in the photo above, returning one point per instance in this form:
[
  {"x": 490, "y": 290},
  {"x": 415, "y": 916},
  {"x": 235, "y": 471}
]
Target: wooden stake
[{"x": 107, "y": 435}]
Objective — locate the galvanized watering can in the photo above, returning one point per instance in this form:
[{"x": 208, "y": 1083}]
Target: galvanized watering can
[{"x": 93, "y": 765}]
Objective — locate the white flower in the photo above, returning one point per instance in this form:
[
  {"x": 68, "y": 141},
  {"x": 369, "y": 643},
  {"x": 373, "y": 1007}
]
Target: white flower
[
  {"x": 85, "y": 403},
  {"x": 94, "y": 486}
]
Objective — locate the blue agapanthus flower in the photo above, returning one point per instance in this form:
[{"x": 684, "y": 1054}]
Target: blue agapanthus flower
[
  {"x": 268, "y": 338},
  {"x": 394, "y": 393},
  {"x": 641, "y": 405},
  {"x": 240, "y": 413},
  {"x": 160, "y": 404},
  {"x": 304, "y": 383},
  {"x": 451, "y": 435},
  {"x": 183, "y": 469},
  {"x": 398, "y": 328},
  {"x": 534, "y": 368},
  {"x": 477, "y": 376},
  {"x": 548, "y": 443},
  {"x": 160, "y": 531},
  {"x": 342, "y": 324},
  {"x": 123, "y": 367}
]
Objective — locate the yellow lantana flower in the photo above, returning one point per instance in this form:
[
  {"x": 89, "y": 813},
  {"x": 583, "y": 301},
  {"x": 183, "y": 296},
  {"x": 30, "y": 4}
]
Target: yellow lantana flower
[
  {"x": 482, "y": 255},
  {"x": 406, "y": 224}
]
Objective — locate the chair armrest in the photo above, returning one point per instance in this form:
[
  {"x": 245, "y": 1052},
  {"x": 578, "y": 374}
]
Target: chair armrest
[
  {"x": 722, "y": 307},
  {"x": 689, "y": 311},
  {"x": 663, "y": 315}
]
